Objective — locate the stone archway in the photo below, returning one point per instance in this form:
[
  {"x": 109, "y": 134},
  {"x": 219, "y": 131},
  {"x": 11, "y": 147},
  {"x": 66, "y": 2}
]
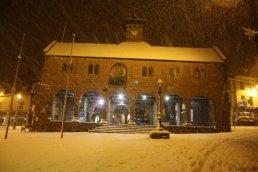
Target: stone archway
[
  {"x": 120, "y": 115},
  {"x": 145, "y": 109},
  {"x": 58, "y": 105},
  {"x": 118, "y": 106},
  {"x": 173, "y": 110},
  {"x": 91, "y": 107},
  {"x": 201, "y": 111}
]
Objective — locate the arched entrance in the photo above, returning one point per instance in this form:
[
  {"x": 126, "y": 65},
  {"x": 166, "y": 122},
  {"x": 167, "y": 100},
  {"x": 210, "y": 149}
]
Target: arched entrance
[
  {"x": 145, "y": 109},
  {"x": 120, "y": 115},
  {"x": 58, "y": 105},
  {"x": 118, "y": 109},
  {"x": 91, "y": 107},
  {"x": 201, "y": 111},
  {"x": 174, "y": 110}
]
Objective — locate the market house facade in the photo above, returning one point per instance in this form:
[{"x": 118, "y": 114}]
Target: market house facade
[{"x": 117, "y": 83}]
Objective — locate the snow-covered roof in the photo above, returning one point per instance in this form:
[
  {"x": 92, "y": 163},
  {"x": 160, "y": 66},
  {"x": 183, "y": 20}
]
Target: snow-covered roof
[{"x": 135, "y": 50}]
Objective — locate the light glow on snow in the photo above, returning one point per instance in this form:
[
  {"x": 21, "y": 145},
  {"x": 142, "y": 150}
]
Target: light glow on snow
[{"x": 90, "y": 152}]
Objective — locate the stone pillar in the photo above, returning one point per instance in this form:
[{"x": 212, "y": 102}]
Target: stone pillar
[
  {"x": 217, "y": 118},
  {"x": 85, "y": 110},
  {"x": 211, "y": 113},
  {"x": 187, "y": 114},
  {"x": 162, "y": 108},
  {"x": 76, "y": 108},
  {"x": 103, "y": 120},
  {"x": 132, "y": 111}
]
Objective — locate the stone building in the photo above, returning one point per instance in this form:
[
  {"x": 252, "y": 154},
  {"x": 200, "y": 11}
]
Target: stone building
[
  {"x": 117, "y": 83},
  {"x": 20, "y": 107},
  {"x": 243, "y": 97}
]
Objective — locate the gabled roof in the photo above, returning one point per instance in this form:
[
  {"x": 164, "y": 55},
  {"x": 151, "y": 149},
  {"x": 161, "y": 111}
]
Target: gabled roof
[{"x": 135, "y": 50}]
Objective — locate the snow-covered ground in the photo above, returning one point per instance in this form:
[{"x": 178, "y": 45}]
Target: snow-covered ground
[{"x": 86, "y": 152}]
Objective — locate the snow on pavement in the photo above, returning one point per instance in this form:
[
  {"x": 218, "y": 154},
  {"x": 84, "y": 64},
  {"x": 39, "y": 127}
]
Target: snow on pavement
[{"x": 88, "y": 152}]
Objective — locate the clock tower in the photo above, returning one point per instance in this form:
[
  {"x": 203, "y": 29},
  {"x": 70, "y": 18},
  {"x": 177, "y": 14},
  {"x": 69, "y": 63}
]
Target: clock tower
[{"x": 133, "y": 29}]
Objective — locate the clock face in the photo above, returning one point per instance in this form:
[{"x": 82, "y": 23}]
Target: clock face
[{"x": 134, "y": 32}]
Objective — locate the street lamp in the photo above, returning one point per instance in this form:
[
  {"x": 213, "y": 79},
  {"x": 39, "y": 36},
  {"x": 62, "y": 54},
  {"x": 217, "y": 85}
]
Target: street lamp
[
  {"x": 159, "y": 132},
  {"x": 19, "y": 96}
]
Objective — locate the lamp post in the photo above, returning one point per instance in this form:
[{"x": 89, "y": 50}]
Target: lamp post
[
  {"x": 159, "y": 85},
  {"x": 66, "y": 88},
  {"x": 13, "y": 89},
  {"x": 19, "y": 96},
  {"x": 159, "y": 132}
]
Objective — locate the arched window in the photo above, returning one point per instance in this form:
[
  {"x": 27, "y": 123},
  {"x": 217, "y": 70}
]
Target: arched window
[
  {"x": 177, "y": 72},
  {"x": 93, "y": 69},
  {"x": 118, "y": 75},
  {"x": 70, "y": 66},
  {"x": 203, "y": 73},
  {"x": 197, "y": 73},
  {"x": 64, "y": 67},
  {"x": 200, "y": 73},
  {"x": 147, "y": 71},
  {"x": 144, "y": 71},
  {"x": 150, "y": 71},
  {"x": 96, "y": 70},
  {"x": 171, "y": 73},
  {"x": 174, "y": 72},
  {"x": 90, "y": 69}
]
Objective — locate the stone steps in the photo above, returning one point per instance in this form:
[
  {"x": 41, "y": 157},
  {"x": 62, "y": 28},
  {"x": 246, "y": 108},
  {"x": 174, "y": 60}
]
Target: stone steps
[
  {"x": 145, "y": 129},
  {"x": 124, "y": 129}
]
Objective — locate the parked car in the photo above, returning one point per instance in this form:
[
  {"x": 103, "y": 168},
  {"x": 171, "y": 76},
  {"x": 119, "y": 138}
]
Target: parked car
[{"x": 245, "y": 118}]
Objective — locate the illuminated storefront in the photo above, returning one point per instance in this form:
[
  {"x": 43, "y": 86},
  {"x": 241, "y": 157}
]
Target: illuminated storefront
[{"x": 244, "y": 97}]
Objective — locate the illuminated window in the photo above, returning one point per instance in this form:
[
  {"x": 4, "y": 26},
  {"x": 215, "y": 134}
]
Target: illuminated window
[
  {"x": 2, "y": 92},
  {"x": 251, "y": 101},
  {"x": 243, "y": 102}
]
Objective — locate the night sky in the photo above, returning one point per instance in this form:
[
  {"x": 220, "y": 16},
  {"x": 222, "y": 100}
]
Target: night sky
[{"x": 187, "y": 23}]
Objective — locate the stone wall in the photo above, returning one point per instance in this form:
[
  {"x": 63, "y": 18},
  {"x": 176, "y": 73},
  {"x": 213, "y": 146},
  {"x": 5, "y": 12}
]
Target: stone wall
[
  {"x": 190, "y": 129},
  {"x": 68, "y": 126}
]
